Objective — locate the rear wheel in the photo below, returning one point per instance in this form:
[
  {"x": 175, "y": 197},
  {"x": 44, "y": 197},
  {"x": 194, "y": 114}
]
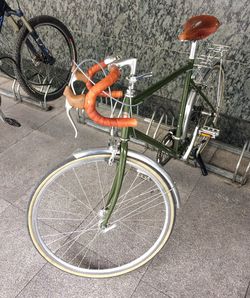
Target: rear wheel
[
  {"x": 199, "y": 112},
  {"x": 213, "y": 88},
  {"x": 36, "y": 76}
]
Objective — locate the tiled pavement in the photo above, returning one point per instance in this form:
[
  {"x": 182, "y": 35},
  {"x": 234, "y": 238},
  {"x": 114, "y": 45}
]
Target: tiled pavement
[{"x": 208, "y": 254}]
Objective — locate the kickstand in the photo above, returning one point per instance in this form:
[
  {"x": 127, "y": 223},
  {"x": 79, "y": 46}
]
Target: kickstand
[{"x": 200, "y": 162}]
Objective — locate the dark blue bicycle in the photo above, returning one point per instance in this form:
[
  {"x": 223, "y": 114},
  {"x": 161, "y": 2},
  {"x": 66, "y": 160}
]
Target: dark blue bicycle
[{"x": 43, "y": 53}]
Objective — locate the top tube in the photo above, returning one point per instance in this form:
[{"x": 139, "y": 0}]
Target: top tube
[{"x": 142, "y": 95}]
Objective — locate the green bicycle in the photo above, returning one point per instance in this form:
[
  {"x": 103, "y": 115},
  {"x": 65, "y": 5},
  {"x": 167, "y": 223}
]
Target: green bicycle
[{"x": 106, "y": 212}]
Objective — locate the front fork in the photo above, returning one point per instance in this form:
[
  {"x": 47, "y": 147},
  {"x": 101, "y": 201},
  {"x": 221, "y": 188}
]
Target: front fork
[
  {"x": 119, "y": 175},
  {"x": 49, "y": 59},
  {"x": 45, "y": 52}
]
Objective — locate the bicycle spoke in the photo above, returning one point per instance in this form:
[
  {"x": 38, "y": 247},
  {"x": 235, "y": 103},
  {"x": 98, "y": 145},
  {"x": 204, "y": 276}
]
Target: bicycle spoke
[
  {"x": 70, "y": 193},
  {"x": 100, "y": 184},
  {"x": 133, "y": 231},
  {"x": 134, "y": 211},
  {"x": 83, "y": 191},
  {"x": 125, "y": 195},
  {"x": 73, "y": 241},
  {"x": 137, "y": 196},
  {"x": 148, "y": 199},
  {"x": 69, "y": 234},
  {"x": 60, "y": 211},
  {"x": 97, "y": 233}
]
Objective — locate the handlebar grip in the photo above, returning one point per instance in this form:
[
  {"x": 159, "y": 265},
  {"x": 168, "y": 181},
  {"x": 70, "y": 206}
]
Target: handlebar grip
[
  {"x": 90, "y": 73},
  {"x": 76, "y": 101},
  {"x": 90, "y": 102}
]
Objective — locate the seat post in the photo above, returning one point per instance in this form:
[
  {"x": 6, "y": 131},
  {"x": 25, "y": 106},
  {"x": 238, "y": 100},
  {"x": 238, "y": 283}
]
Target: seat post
[{"x": 193, "y": 50}]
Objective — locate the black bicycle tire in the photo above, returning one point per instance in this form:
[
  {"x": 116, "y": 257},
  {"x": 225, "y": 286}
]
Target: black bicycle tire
[
  {"x": 162, "y": 157},
  {"x": 21, "y": 37}
]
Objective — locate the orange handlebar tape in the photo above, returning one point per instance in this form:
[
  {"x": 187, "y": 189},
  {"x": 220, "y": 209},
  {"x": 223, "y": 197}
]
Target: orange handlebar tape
[
  {"x": 90, "y": 102},
  {"x": 76, "y": 101},
  {"x": 90, "y": 74}
]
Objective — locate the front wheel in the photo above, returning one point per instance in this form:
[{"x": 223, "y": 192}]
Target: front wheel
[
  {"x": 66, "y": 211},
  {"x": 36, "y": 75}
]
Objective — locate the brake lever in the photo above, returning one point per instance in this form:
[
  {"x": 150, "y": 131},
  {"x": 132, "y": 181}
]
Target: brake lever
[
  {"x": 135, "y": 78},
  {"x": 144, "y": 76},
  {"x": 68, "y": 109}
]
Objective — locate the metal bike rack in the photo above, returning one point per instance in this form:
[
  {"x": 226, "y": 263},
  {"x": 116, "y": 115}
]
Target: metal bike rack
[
  {"x": 240, "y": 154},
  {"x": 162, "y": 123},
  {"x": 165, "y": 123},
  {"x": 16, "y": 94},
  {"x": 236, "y": 176}
]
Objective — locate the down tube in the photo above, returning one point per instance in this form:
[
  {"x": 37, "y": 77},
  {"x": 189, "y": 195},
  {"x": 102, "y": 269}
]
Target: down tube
[{"x": 134, "y": 133}]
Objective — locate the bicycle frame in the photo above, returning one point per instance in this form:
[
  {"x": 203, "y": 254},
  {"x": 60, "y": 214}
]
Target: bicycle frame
[{"x": 127, "y": 133}]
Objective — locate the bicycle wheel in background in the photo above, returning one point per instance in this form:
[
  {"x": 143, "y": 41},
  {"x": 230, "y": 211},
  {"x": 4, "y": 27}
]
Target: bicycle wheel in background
[
  {"x": 65, "y": 213},
  {"x": 7, "y": 63},
  {"x": 35, "y": 76}
]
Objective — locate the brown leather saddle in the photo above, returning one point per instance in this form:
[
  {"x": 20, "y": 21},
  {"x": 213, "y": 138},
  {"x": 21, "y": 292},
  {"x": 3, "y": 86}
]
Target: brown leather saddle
[{"x": 199, "y": 27}]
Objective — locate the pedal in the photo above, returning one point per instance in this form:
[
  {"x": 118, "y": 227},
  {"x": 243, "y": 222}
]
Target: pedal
[{"x": 209, "y": 132}]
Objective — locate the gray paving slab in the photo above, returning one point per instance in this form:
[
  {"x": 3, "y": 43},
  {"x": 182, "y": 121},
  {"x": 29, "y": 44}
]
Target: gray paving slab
[
  {"x": 208, "y": 253},
  {"x": 185, "y": 176},
  {"x": 26, "y": 161},
  {"x": 7, "y": 102},
  {"x": 3, "y": 205},
  {"x": 29, "y": 118},
  {"x": 51, "y": 282},
  {"x": 144, "y": 290},
  {"x": 29, "y": 159},
  {"x": 248, "y": 291},
  {"x": 19, "y": 261},
  {"x": 60, "y": 128}
]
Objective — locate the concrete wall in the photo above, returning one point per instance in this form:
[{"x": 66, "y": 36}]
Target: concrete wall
[{"x": 148, "y": 29}]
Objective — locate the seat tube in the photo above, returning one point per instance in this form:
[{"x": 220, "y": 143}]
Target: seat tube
[{"x": 184, "y": 97}]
